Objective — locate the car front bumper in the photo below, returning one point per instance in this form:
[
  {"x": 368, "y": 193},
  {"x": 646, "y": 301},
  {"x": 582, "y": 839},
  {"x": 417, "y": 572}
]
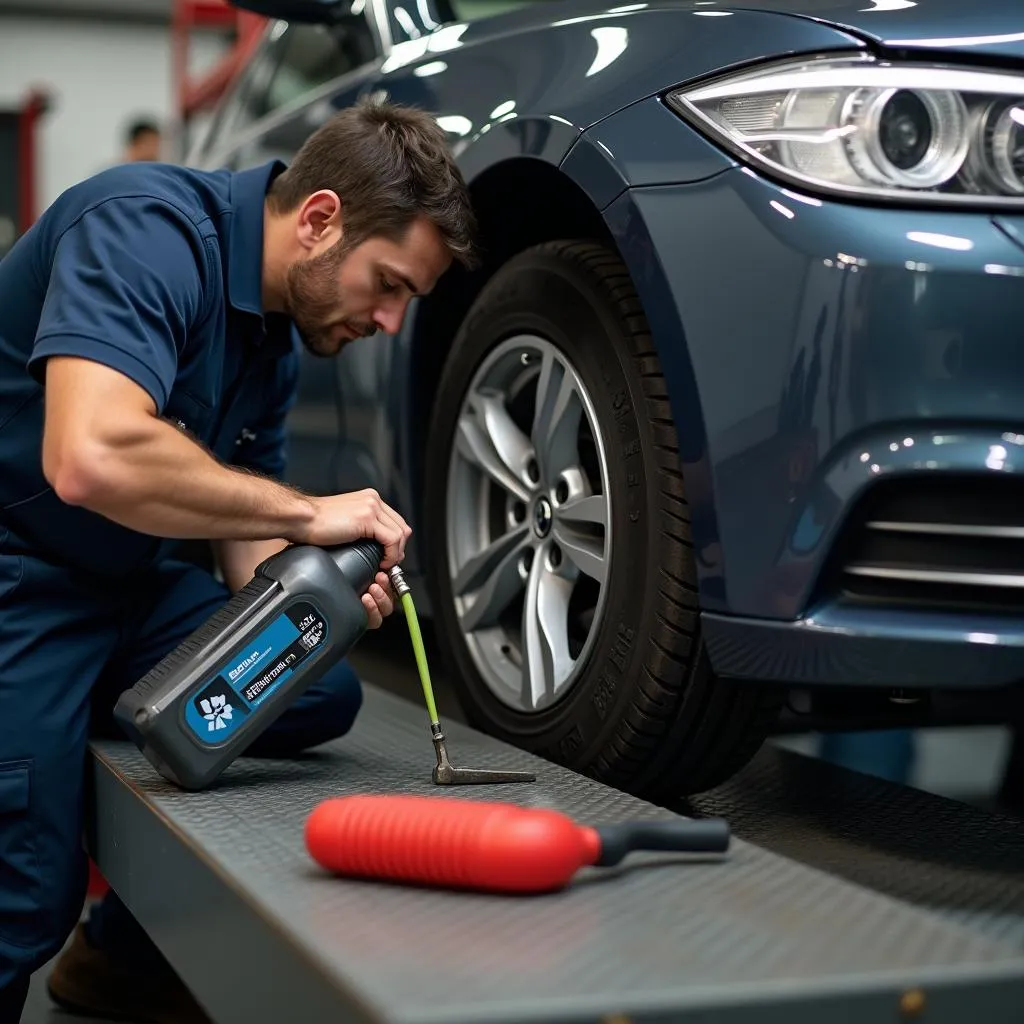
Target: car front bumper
[{"x": 816, "y": 352}]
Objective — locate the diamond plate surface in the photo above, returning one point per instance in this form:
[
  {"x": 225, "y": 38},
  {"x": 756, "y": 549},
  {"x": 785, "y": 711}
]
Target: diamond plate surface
[
  {"x": 662, "y": 930},
  {"x": 960, "y": 861}
]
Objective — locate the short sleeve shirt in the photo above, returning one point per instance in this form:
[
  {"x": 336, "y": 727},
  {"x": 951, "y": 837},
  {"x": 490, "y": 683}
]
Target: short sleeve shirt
[{"x": 156, "y": 272}]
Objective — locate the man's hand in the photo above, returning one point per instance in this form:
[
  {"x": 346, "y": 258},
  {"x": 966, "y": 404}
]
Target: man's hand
[
  {"x": 341, "y": 518},
  {"x": 378, "y": 601}
]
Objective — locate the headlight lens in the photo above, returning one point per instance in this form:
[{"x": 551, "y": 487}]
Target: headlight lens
[{"x": 857, "y": 125}]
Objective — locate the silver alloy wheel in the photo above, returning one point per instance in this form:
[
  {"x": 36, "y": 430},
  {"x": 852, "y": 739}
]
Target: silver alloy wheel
[{"x": 528, "y": 522}]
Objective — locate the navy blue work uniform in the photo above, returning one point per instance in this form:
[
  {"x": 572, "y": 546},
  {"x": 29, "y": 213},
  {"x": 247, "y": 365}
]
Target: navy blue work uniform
[{"x": 155, "y": 271}]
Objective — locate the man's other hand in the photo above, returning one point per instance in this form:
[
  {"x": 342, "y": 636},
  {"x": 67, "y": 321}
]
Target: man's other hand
[{"x": 378, "y": 601}]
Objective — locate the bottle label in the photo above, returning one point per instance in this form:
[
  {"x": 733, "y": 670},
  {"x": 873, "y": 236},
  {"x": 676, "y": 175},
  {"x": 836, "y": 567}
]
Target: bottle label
[{"x": 251, "y": 677}]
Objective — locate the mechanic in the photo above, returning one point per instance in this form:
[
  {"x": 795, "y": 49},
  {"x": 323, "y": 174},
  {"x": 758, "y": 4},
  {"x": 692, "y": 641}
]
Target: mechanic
[
  {"x": 150, "y": 331},
  {"x": 142, "y": 141}
]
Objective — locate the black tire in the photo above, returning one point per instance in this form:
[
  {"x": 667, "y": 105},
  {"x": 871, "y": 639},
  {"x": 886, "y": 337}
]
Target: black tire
[{"x": 647, "y": 715}]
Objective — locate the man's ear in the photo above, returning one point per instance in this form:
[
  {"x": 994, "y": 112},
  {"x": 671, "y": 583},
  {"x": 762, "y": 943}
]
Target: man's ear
[{"x": 319, "y": 220}]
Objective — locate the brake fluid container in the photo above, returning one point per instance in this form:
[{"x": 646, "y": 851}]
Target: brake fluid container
[{"x": 198, "y": 708}]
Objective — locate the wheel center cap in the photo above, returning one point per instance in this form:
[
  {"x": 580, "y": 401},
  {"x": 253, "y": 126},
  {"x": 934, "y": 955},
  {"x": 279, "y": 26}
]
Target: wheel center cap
[{"x": 542, "y": 517}]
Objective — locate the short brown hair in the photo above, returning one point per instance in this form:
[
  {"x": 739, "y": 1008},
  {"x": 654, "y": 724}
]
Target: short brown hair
[{"x": 389, "y": 164}]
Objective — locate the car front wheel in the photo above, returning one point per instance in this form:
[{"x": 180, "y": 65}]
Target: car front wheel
[{"x": 557, "y": 527}]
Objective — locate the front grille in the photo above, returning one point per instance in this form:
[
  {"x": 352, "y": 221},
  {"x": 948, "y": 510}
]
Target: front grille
[{"x": 952, "y": 543}]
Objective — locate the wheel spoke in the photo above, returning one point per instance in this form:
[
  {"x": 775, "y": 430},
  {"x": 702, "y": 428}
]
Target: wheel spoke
[
  {"x": 584, "y": 550},
  {"x": 556, "y": 418},
  {"x": 494, "y": 574},
  {"x": 475, "y": 443},
  {"x": 476, "y": 569},
  {"x": 590, "y": 509},
  {"x": 546, "y": 658},
  {"x": 579, "y": 527},
  {"x": 511, "y": 444}
]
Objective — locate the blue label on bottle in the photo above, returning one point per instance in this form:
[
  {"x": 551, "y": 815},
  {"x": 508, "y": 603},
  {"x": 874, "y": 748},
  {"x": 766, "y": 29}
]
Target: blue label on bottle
[{"x": 252, "y": 676}]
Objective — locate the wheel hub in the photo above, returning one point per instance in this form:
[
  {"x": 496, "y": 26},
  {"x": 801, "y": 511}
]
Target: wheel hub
[
  {"x": 528, "y": 478},
  {"x": 542, "y": 517}
]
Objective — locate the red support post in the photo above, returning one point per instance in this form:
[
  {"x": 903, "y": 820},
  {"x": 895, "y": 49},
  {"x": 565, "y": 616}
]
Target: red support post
[{"x": 36, "y": 104}]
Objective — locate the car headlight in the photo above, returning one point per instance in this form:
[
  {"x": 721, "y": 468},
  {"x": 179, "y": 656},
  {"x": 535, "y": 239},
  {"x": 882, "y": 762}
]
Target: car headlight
[{"x": 881, "y": 129}]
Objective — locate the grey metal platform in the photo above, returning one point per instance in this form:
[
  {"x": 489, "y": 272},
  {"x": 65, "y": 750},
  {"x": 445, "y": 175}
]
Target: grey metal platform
[{"x": 223, "y": 884}]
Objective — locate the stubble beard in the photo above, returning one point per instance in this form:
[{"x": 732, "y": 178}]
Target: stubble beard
[{"x": 312, "y": 302}]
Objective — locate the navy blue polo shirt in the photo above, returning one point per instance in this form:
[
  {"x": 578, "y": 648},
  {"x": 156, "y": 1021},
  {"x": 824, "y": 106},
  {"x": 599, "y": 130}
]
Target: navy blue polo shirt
[{"x": 155, "y": 271}]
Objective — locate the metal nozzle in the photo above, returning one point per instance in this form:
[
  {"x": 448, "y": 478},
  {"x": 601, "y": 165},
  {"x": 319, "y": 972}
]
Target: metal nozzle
[
  {"x": 446, "y": 774},
  {"x": 401, "y": 588}
]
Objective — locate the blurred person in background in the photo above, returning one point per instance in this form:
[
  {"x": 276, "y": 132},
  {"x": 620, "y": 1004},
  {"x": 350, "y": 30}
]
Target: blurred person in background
[{"x": 142, "y": 141}]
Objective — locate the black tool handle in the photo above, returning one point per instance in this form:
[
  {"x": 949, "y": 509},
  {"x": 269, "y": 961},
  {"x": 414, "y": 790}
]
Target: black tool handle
[{"x": 704, "y": 835}]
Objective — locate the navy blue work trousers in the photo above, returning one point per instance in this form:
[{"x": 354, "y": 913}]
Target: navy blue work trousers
[{"x": 69, "y": 645}]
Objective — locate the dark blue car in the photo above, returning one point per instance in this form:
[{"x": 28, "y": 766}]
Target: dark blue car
[{"x": 735, "y": 406}]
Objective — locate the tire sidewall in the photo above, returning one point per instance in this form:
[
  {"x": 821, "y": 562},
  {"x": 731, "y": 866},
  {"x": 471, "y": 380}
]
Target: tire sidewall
[{"x": 542, "y": 293}]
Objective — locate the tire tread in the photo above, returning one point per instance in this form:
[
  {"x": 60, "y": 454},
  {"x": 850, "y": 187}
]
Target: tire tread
[{"x": 684, "y": 748}]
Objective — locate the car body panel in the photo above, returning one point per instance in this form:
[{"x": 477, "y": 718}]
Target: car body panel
[
  {"x": 641, "y": 145},
  {"x": 892, "y": 649},
  {"x": 915, "y": 320},
  {"x": 948, "y": 25},
  {"x": 1013, "y": 226},
  {"x": 579, "y": 67},
  {"x": 830, "y": 643}
]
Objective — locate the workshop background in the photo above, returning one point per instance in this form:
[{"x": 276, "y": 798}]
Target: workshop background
[{"x": 75, "y": 74}]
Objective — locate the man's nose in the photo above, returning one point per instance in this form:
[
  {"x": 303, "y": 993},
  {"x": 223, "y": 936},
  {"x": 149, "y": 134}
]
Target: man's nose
[{"x": 389, "y": 316}]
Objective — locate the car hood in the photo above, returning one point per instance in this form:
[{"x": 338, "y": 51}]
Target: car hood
[{"x": 990, "y": 28}]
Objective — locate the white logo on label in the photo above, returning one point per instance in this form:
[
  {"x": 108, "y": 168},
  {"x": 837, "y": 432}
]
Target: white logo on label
[{"x": 217, "y": 711}]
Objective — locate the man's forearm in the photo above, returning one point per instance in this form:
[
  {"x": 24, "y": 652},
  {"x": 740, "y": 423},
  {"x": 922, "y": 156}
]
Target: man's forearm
[
  {"x": 104, "y": 449},
  {"x": 157, "y": 480}
]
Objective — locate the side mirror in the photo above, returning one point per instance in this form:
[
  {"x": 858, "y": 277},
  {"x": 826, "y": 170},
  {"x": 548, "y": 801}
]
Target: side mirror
[{"x": 310, "y": 12}]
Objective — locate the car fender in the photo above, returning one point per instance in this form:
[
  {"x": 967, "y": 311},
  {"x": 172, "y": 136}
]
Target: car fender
[
  {"x": 645, "y": 144},
  {"x": 580, "y": 68},
  {"x": 537, "y": 136}
]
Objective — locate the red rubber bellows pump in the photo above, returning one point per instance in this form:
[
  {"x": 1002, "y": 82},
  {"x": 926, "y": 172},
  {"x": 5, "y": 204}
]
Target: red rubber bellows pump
[{"x": 494, "y": 847}]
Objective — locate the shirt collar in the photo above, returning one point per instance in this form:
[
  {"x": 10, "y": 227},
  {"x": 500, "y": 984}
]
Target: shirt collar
[{"x": 245, "y": 247}]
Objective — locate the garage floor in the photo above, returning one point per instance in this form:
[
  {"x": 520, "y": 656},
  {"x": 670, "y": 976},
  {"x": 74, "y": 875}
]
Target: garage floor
[{"x": 964, "y": 764}]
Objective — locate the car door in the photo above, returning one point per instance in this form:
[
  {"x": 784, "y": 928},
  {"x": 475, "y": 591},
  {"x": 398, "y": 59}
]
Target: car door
[{"x": 300, "y": 76}]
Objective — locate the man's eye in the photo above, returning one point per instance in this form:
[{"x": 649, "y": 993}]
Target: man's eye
[{"x": 386, "y": 285}]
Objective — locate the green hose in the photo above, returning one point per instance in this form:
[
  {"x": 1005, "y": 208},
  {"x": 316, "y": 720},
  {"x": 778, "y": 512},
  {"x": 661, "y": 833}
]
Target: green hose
[{"x": 421, "y": 655}]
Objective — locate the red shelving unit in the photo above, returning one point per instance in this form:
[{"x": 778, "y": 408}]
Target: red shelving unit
[{"x": 195, "y": 94}]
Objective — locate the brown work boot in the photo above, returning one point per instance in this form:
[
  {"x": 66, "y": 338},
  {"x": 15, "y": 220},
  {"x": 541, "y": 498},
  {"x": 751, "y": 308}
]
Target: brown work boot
[{"x": 89, "y": 982}]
